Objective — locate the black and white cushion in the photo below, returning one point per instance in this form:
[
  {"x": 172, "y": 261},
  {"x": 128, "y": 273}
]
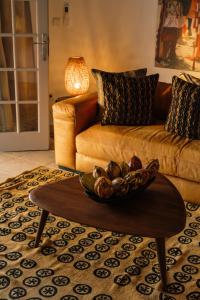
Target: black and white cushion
[
  {"x": 98, "y": 74},
  {"x": 184, "y": 113},
  {"x": 127, "y": 100},
  {"x": 189, "y": 78}
]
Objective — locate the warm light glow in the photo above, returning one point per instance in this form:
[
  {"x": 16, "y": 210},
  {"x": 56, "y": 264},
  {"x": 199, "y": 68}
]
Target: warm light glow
[
  {"x": 77, "y": 85},
  {"x": 76, "y": 76}
]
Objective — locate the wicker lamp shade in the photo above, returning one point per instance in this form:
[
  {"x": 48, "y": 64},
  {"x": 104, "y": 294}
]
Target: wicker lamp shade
[{"x": 76, "y": 76}]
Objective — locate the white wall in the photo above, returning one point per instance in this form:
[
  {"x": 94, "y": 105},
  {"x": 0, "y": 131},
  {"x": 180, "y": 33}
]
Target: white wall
[{"x": 113, "y": 35}]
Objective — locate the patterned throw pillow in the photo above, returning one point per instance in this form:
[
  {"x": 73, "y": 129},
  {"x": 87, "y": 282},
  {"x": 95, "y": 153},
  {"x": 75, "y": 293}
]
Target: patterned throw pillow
[
  {"x": 127, "y": 100},
  {"x": 184, "y": 113},
  {"x": 189, "y": 78},
  {"x": 98, "y": 76}
]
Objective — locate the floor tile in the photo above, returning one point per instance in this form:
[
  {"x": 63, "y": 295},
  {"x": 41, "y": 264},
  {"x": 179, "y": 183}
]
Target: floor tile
[{"x": 14, "y": 163}]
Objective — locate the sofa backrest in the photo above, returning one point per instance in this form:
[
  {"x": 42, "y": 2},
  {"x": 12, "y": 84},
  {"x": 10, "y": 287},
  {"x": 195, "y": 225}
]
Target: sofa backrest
[{"x": 162, "y": 100}]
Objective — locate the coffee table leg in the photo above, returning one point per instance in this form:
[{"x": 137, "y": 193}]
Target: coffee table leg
[
  {"x": 162, "y": 261},
  {"x": 43, "y": 219}
]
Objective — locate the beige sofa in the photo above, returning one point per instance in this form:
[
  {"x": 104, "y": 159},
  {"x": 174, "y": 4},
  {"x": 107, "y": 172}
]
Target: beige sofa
[{"x": 81, "y": 142}]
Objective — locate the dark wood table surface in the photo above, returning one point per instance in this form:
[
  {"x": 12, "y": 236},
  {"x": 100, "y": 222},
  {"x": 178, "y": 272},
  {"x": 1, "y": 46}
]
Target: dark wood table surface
[{"x": 157, "y": 212}]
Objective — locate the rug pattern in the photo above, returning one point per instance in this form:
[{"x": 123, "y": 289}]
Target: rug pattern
[{"x": 80, "y": 262}]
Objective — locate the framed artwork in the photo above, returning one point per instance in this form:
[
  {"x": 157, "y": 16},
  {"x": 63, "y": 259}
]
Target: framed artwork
[{"x": 178, "y": 35}]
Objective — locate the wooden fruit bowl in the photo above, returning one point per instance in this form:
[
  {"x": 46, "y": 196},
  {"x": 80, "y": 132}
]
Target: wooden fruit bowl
[
  {"x": 114, "y": 198},
  {"x": 119, "y": 182}
]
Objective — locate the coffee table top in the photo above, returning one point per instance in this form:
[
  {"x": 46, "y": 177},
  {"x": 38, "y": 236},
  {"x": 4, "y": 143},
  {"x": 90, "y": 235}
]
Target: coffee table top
[{"x": 157, "y": 212}]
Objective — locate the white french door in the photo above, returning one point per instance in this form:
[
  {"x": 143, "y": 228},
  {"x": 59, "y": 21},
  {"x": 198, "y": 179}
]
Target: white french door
[{"x": 24, "y": 121}]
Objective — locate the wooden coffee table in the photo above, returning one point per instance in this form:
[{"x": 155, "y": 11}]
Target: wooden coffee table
[{"x": 158, "y": 212}]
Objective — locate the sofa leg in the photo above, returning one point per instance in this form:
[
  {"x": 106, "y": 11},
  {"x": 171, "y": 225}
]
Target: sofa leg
[{"x": 69, "y": 170}]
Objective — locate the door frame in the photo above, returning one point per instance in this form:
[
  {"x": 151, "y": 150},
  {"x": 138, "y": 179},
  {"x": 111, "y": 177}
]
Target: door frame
[{"x": 31, "y": 140}]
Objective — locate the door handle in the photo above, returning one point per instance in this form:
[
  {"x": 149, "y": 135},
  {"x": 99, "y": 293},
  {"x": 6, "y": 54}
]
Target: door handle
[{"x": 45, "y": 45}]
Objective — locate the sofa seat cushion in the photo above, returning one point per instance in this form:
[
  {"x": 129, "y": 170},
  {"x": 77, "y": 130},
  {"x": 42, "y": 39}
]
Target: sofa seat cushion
[
  {"x": 189, "y": 162},
  {"x": 120, "y": 143}
]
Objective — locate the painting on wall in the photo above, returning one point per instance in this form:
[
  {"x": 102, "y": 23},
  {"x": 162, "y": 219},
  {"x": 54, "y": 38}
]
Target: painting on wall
[{"x": 178, "y": 35}]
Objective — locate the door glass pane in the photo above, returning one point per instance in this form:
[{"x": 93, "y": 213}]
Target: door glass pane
[
  {"x": 7, "y": 86},
  {"x": 27, "y": 85},
  {"x": 6, "y": 52},
  {"x": 28, "y": 59},
  {"x": 25, "y": 16},
  {"x": 28, "y": 117},
  {"x": 5, "y": 16},
  {"x": 7, "y": 118}
]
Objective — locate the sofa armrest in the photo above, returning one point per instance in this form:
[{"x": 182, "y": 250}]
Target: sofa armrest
[{"x": 70, "y": 117}]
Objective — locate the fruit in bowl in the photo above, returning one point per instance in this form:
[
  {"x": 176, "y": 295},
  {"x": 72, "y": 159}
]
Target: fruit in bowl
[{"x": 118, "y": 181}]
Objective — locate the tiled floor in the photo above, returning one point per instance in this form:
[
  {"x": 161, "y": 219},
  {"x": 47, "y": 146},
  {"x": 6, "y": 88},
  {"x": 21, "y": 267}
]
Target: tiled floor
[{"x": 14, "y": 163}]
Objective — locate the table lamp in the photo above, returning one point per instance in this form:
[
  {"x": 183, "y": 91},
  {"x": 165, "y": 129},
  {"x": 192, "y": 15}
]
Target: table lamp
[{"x": 76, "y": 76}]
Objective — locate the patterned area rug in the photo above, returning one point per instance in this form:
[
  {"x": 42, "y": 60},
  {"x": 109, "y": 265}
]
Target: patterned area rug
[{"x": 79, "y": 262}]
